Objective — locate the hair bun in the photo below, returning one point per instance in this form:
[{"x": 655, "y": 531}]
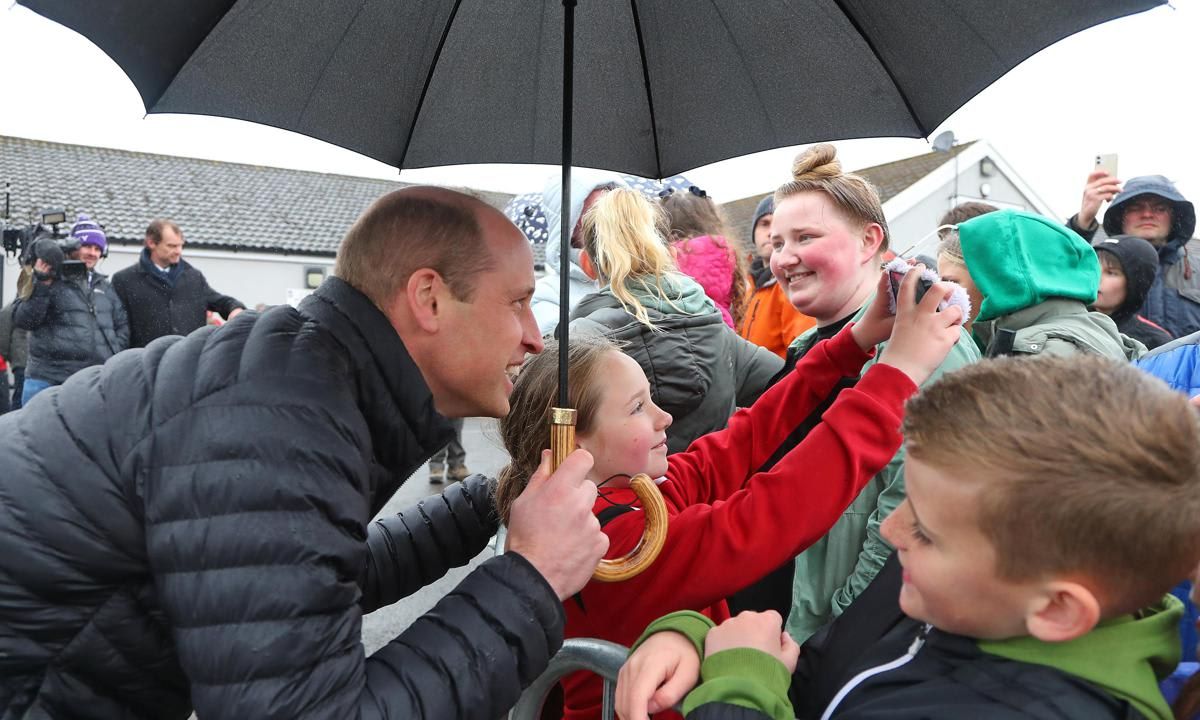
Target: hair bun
[{"x": 817, "y": 162}]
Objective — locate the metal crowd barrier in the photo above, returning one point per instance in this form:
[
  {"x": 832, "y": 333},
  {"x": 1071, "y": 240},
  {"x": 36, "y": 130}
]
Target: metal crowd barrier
[{"x": 598, "y": 656}]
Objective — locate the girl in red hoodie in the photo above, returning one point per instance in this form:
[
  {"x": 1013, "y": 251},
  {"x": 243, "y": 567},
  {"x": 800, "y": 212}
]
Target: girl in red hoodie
[{"x": 728, "y": 524}]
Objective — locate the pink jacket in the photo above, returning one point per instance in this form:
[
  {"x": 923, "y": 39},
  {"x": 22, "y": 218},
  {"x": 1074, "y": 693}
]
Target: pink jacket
[{"x": 709, "y": 261}]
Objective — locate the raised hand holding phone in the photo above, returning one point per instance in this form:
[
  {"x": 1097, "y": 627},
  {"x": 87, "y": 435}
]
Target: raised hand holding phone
[
  {"x": 922, "y": 335},
  {"x": 1102, "y": 186}
]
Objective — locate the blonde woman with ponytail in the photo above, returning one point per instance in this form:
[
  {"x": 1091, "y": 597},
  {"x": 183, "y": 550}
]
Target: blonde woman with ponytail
[
  {"x": 828, "y": 236},
  {"x": 699, "y": 369}
]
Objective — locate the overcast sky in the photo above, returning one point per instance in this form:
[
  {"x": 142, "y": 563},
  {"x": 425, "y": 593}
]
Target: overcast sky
[{"x": 1127, "y": 87}]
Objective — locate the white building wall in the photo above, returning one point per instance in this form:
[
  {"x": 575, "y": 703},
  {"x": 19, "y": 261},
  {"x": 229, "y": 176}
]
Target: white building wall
[{"x": 915, "y": 224}]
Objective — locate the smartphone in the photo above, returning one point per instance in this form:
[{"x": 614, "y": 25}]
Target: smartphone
[
  {"x": 895, "y": 277},
  {"x": 1107, "y": 163}
]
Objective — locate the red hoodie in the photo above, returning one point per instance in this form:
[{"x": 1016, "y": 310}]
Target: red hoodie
[{"x": 730, "y": 525}]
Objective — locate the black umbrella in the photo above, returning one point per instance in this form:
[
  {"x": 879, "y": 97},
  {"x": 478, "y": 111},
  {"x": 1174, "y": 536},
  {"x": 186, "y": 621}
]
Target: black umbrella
[{"x": 664, "y": 85}]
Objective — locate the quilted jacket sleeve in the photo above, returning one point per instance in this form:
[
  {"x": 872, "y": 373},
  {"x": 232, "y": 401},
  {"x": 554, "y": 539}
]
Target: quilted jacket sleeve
[
  {"x": 30, "y": 313},
  {"x": 257, "y": 537},
  {"x": 120, "y": 320},
  {"x": 409, "y": 550}
]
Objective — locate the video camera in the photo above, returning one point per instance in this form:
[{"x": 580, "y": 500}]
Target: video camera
[{"x": 43, "y": 240}]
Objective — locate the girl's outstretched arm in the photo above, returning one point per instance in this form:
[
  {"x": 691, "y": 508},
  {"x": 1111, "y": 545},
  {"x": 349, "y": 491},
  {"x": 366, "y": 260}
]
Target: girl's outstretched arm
[
  {"x": 718, "y": 464},
  {"x": 714, "y": 550}
]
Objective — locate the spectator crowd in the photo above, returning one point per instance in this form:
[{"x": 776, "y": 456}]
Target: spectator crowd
[{"x": 939, "y": 487}]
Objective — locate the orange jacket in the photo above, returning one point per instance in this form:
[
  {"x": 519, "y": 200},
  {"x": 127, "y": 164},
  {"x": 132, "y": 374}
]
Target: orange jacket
[{"x": 771, "y": 322}]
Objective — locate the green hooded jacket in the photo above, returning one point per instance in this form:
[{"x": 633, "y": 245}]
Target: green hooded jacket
[
  {"x": 836, "y": 568},
  {"x": 1037, "y": 279}
]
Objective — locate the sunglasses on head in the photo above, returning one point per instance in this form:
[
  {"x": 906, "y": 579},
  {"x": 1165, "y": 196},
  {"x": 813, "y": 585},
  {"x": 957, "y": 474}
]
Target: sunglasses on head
[{"x": 666, "y": 192}]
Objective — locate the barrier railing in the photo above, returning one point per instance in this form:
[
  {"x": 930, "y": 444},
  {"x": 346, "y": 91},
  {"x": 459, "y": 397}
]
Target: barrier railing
[{"x": 598, "y": 656}]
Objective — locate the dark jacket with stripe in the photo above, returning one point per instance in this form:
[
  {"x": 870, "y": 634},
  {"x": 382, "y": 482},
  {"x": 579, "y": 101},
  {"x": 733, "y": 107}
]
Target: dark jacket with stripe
[
  {"x": 189, "y": 525},
  {"x": 950, "y": 677}
]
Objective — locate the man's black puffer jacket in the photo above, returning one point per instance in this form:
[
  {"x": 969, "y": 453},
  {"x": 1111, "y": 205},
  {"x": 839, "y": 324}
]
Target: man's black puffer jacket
[{"x": 188, "y": 525}]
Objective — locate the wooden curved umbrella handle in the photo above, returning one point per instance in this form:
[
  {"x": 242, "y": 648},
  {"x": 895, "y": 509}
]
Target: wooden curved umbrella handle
[
  {"x": 653, "y": 537},
  {"x": 562, "y": 442}
]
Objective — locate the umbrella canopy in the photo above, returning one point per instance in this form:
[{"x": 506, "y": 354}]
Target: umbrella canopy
[
  {"x": 660, "y": 87},
  {"x": 653, "y": 87}
]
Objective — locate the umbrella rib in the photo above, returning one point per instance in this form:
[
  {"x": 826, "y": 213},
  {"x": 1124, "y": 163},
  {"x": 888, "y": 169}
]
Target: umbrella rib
[
  {"x": 412, "y": 128},
  {"x": 328, "y": 61},
  {"x": 895, "y": 83},
  {"x": 637, "y": 27}
]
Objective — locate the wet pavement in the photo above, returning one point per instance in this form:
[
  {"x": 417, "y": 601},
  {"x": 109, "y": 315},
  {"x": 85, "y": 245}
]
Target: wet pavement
[{"x": 484, "y": 455}]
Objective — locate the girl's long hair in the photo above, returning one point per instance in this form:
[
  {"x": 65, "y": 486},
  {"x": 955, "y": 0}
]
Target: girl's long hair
[
  {"x": 525, "y": 430},
  {"x": 623, "y": 236}
]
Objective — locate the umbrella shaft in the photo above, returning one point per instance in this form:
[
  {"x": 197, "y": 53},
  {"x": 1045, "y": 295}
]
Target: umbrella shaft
[{"x": 565, "y": 232}]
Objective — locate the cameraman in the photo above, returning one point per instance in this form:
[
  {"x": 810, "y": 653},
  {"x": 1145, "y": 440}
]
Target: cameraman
[{"x": 74, "y": 317}]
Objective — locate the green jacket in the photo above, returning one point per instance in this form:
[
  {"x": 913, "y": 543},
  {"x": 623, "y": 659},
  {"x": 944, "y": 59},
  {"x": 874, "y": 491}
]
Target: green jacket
[
  {"x": 1059, "y": 327},
  {"x": 1037, "y": 279},
  {"x": 836, "y": 568}
]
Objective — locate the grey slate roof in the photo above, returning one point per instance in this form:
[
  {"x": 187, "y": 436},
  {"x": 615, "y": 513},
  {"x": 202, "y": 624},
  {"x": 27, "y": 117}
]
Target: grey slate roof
[
  {"x": 218, "y": 205},
  {"x": 890, "y": 179}
]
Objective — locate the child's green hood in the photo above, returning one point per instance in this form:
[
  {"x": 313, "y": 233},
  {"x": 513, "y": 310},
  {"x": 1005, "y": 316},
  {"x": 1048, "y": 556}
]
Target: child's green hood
[
  {"x": 1124, "y": 656},
  {"x": 1018, "y": 259}
]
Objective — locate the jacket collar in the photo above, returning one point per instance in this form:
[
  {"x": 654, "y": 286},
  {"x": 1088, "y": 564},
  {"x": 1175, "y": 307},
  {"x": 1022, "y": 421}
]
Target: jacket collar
[
  {"x": 761, "y": 272},
  {"x": 147, "y": 266},
  {"x": 392, "y": 394}
]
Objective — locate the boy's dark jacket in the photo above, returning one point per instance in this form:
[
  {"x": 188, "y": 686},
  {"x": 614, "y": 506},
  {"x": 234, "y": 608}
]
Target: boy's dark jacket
[
  {"x": 956, "y": 677},
  {"x": 171, "y": 303}
]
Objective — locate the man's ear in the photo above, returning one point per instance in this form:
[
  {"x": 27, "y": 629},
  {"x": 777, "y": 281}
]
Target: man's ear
[
  {"x": 1064, "y": 611},
  {"x": 424, "y": 294},
  {"x": 585, "y": 264},
  {"x": 872, "y": 240}
]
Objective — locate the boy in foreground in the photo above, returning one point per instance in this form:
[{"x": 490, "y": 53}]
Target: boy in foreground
[{"x": 1042, "y": 530}]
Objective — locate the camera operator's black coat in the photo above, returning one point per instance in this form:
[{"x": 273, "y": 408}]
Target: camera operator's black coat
[
  {"x": 157, "y": 307},
  {"x": 72, "y": 324},
  {"x": 190, "y": 525}
]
